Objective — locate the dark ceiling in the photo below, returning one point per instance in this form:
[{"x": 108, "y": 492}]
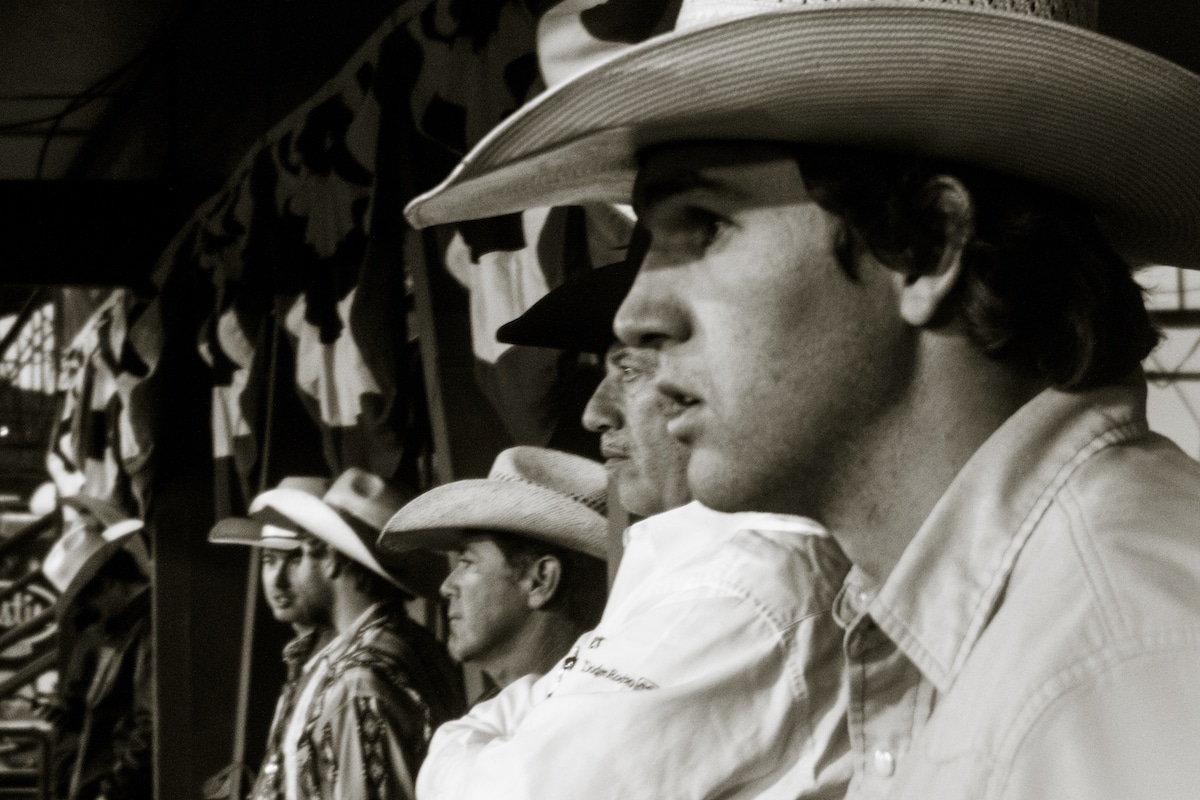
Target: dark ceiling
[{"x": 117, "y": 117}]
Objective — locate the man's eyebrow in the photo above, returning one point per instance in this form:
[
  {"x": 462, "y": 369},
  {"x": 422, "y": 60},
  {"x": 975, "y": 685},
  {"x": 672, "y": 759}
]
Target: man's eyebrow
[{"x": 652, "y": 191}]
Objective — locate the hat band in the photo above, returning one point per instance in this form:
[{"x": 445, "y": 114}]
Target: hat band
[
  {"x": 273, "y": 531},
  {"x": 597, "y": 503}
]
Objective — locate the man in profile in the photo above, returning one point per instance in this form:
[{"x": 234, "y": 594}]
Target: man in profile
[
  {"x": 648, "y": 466},
  {"x": 529, "y": 575},
  {"x": 699, "y": 596},
  {"x": 890, "y": 286}
]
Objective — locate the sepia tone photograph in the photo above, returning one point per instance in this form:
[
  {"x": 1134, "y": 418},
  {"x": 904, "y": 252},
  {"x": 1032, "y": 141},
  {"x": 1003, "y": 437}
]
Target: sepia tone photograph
[{"x": 600, "y": 400}]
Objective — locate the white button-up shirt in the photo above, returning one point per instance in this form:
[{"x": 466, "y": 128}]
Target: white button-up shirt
[
  {"x": 1040, "y": 636},
  {"x": 714, "y": 672}
]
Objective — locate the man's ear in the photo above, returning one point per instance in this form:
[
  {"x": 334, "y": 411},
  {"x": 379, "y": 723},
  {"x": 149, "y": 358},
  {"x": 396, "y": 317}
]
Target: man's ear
[
  {"x": 922, "y": 296},
  {"x": 542, "y": 578},
  {"x": 332, "y": 564}
]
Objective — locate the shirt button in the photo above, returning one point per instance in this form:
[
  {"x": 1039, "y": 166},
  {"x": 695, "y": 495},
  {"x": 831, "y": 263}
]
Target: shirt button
[{"x": 885, "y": 763}]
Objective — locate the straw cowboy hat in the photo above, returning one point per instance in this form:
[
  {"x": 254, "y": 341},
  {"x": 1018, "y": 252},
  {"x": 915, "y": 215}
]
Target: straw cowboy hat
[
  {"x": 348, "y": 517},
  {"x": 543, "y": 494},
  {"x": 78, "y": 555},
  {"x": 267, "y": 527},
  {"x": 1022, "y": 87}
]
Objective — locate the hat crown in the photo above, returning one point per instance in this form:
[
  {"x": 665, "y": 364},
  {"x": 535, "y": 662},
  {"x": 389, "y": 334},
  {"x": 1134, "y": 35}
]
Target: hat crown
[
  {"x": 699, "y": 13},
  {"x": 70, "y": 552},
  {"x": 581, "y": 479},
  {"x": 366, "y": 497},
  {"x": 309, "y": 484}
]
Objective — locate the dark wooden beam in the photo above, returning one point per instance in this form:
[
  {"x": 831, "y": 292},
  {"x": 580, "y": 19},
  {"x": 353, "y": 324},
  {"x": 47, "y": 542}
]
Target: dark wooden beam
[{"x": 89, "y": 233}]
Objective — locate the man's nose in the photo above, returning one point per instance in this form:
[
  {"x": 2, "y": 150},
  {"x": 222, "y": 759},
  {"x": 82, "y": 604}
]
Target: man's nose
[
  {"x": 652, "y": 313},
  {"x": 279, "y": 578},
  {"x": 602, "y": 412},
  {"x": 446, "y": 590}
]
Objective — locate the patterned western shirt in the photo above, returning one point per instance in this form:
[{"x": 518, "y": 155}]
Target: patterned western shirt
[{"x": 375, "y": 695}]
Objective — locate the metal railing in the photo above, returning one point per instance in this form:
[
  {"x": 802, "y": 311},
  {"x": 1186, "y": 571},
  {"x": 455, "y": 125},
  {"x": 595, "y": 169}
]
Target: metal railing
[{"x": 34, "y": 738}]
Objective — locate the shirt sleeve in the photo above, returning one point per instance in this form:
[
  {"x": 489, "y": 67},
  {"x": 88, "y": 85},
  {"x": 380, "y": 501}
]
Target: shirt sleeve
[
  {"x": 690, "y": 697},
  {"x": 1132, "y": 730}
]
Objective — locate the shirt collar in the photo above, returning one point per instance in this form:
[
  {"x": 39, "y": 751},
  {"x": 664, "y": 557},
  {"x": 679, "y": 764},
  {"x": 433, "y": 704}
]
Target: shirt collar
[
  {"x": 683, "y": 532},
  {"x": 342, "y": 640},
  {"x": 938, "y": 599}
]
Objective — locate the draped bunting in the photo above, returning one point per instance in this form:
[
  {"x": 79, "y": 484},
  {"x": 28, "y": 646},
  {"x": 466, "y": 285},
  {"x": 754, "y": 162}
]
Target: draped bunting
[
  {"x": 309, "y": 325},
  {"x": 110, "y": 405}
]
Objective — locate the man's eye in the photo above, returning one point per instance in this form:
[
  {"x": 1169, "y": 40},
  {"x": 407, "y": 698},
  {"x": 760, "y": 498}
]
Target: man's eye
[{"x": 703, "y": 226}]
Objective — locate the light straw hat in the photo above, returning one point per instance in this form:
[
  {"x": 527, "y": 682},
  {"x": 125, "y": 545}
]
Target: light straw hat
[
  {"x": 349, "y": 517},
  {"x": 1021, "y": 87},
  {"x": 542, "y": 494},
  {"x": 79, "y": 554},
  {"x": 267, "y": 527}
]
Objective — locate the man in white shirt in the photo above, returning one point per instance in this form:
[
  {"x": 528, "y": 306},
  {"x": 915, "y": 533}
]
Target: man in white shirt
[
  {"x": 890, "y": 287},
  {"x": 718, "y": 629},
  {"x": 529, "y": 543},
  {"x": 647, "y": 464}
]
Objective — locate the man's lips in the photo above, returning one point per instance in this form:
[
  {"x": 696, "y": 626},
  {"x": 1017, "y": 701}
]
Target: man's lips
[{"x": 612, "y": 447}]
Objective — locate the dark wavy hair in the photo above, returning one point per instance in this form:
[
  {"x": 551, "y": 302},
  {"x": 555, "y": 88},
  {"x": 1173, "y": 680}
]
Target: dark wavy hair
[
  {"x": 1040, "y": 288},
  {"x": 583, "y": 587}
]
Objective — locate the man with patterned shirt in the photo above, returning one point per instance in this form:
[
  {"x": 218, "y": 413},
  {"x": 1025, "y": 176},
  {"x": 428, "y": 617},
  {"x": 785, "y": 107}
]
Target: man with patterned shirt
[
  {"x": 289, "y": 603},
  {"x": 366, "y": 704}
]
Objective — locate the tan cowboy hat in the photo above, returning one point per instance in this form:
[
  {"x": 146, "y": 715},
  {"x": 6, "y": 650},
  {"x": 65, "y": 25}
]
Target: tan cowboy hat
[
  {"x": 267, "y": 527},
  {"x": 349, "y": 517},
  {"x": 1022, "y": 87},
  {"x": 79, "y": 554},
  {"x": 543, "y": 494}
]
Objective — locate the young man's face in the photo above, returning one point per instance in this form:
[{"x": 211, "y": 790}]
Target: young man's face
[
  {"x": 487, "y": 603},
  {"x": 294, "y": 593},
  {"x": 650, "y": 466},
  {"x": 775, "y": 363}
]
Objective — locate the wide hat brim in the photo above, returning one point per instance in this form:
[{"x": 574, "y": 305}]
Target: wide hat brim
[
  {"x": 578, "y": 315},
  {"x": 116, "y": 537},
  {"x": 313, "y": 515},
  {"x": 436, "y": 519},
  {"x": 251, "y": 532},
  {"x": 1065, "y": 107}
]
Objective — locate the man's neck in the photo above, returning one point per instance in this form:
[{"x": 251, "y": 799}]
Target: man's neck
[
  {"x": 534, "y": 650},
  {"x": 348, "y": 605},
  {"x": 878, "y": 507}
]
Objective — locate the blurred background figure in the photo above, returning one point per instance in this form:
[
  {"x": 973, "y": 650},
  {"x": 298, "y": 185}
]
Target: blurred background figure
[
  {"x": 369, "y": 699},
  {"x": 291, "y": 602},
  {"x": 529, "y": 575},
  {"x": 102, "y": 710}
]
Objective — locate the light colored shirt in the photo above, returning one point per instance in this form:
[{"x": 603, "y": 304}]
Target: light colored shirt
[
  {"x": 311, "y": 676},
  {"x": 1040, "y": 637},
  {"x": 715, "y": 671}
]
